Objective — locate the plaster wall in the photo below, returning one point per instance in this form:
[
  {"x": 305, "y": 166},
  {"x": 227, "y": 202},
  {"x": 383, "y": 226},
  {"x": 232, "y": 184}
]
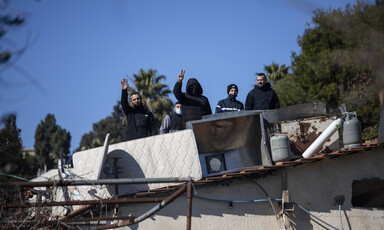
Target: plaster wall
[{"x": 312, "y": 185}]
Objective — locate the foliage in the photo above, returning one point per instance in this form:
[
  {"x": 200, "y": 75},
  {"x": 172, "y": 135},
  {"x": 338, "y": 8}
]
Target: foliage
[
  {"x": 6, "y": 22},
  {"x": 155, "y": 99},
  {"x": 341, "y": 58},
  {"x": 51, "y": 142},
  {"x": 276, "y": 72},
  {"x": 113, "y": 124},
  {"x": 154, "y": 94},
  {"x": 10, "y": 145},
  {"x": 12, "y": 161}
]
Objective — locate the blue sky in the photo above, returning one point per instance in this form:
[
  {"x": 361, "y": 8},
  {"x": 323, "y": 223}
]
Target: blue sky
[{"x": 78, "y": 51}]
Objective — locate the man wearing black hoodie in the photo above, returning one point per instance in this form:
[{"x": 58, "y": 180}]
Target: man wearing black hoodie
[
  {"x": 194, "y": 104},
  {"x": 140, "y": 122},
  {"x": 262, "y": 97}
]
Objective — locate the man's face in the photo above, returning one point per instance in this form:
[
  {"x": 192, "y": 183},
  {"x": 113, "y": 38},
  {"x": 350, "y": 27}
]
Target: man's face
[
  {"x": 260, "y": 81},
  {"x": 177, "y": 106},
  {"x": 136, "y": 100},
  {"x": 233, "y": 91}
]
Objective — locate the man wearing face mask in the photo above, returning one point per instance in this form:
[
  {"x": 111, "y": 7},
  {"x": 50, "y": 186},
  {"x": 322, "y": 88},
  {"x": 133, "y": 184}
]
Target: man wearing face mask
[
  {"x": 140, "y": 122},
  {"x": 230, "y": 103},
  {"x": 194, "y": 104},
  {"x": 173, "y": 122}
]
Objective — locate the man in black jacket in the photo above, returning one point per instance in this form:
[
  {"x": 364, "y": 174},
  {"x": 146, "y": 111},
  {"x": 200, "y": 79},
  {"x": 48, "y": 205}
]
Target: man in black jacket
[
  {"x": 140, "y": 122},
  {"x": 262, "y": 97},
  {"x": 230, "y": 103},
  {"x": 174, "y": 121},
  {"x": 194, "y": 104}
]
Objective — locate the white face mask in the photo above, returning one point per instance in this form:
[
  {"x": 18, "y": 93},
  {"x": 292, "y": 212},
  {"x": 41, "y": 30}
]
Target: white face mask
[{"x": 178, "y": 111}]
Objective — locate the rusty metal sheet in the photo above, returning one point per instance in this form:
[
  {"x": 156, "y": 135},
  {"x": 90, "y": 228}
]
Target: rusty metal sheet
[{"x": 303, "y": 132}]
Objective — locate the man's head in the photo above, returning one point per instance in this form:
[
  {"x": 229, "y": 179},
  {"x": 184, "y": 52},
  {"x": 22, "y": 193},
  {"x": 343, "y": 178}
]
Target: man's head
[
  {"x": 232, "y": 89},
  {"x": 177, "y": 108},
  {"x": 136, "y": 99},
  {"x": 261, "y": 79},
  {"x": 193, "y": 87}
]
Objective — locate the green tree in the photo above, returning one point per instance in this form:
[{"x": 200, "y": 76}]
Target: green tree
[
  {"x": 51, "y": 142},
  {"x": 10, "y": 146},
  {"x": 12, "y": 161},
  {"x": 340, "y": 61},
  {"x": 276, "y": 72},
  {"x": 154, "y": 93}
]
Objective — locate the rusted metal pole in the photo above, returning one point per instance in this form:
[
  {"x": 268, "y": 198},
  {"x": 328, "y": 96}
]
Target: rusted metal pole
[
  {"x": 148, "y": 213},
  {"x": 189, "y": 205},
  {"x": 86, "y": 202},
  {"x": 37, "y": 209},
  {"x": 97, "y": 182}
]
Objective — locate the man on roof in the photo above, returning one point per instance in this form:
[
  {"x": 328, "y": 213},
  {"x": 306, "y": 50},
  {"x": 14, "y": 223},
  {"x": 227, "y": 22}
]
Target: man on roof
[
  {"x": 230, "y": 103},
  {"x": 140, "y": 121},
  {"x": 194, "y": 104},
  {"x": 174, "y": 121},
  {"x": 262, "y": 97}
]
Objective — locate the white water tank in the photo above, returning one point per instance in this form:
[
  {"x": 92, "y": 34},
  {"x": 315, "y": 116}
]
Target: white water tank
[
  {"x": 351, "y": 130},
  {"x": 280, "y": 147}
]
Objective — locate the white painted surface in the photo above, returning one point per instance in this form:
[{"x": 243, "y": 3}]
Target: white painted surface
[
  {"x": 312, "y": 185},
  {"x": 169, "y": 155}
]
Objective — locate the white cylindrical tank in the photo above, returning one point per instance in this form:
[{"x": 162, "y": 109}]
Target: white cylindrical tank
[
  {"x": 328, "y": 132},
  {"x": 351, "y": 130},
  {"x": 280, "y": 147}
]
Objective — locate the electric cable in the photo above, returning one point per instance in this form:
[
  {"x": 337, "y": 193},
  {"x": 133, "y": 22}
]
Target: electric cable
[
  {"x": 270, "y": 201},
  {"x": 305, "y": 210},
  {"x": 341, "y": 221}
]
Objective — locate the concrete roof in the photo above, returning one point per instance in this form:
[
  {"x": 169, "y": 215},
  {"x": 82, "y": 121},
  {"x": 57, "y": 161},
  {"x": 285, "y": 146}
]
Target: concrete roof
[{"x": 368, "y": 145}]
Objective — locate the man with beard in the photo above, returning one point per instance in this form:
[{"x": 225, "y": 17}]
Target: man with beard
[
  {"x": 194, "y": 104},
  {"x": 262, "y": 97},
  {"x": 230, "y": 103},
  {"x": 140, "y": 122}
]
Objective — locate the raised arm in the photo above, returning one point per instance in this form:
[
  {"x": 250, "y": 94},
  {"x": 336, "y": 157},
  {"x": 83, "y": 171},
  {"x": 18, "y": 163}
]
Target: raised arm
[
  {"x": 177, "y": 88},
  {"x": 124, "y": 96}
]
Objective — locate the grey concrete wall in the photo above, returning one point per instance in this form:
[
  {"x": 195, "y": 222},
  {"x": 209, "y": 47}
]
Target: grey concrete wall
[{"x": 312, "y": 185}]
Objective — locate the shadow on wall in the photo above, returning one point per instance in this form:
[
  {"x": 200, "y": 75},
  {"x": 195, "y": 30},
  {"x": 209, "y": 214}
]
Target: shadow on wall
[{"x": 122, "y": 159}]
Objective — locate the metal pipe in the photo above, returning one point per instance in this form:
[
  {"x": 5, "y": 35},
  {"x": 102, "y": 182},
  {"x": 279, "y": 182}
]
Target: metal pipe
[
  {"x": 79, "y": 221},
  {"x": 148, "y": 213},
  {"x": 98, "y": 182},
  {"x": 77, "y": 212},
  {"x": 85, "y": 202},
  {"x": 189, "y": 205},
  {"x": 37, "y": 208}
]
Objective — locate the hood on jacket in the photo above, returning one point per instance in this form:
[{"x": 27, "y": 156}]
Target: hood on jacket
[{"x": 192, "y": 81}]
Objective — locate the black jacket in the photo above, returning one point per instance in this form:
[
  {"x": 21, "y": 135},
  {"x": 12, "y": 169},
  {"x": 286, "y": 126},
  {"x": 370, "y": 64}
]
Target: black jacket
[
  {"x": 140, "y": 122},
  {"x": 193, "y": 106},
  {"x": 229, "y": 105},
  {"x": 172, "y": 123},
  {"x": 262, "y": 98}
]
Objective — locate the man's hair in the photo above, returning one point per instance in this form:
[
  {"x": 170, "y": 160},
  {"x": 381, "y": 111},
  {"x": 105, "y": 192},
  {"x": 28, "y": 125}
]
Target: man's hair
[
  {"x": 134, "y": 93},
  {"x": 178, "y": 102},
  {"x": 262, "y": 74}
]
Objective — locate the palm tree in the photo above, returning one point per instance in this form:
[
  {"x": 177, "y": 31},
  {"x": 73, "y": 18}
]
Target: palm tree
[
  {"x": 276, "y": 72},
  {"x": 154, "y": 94}
]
